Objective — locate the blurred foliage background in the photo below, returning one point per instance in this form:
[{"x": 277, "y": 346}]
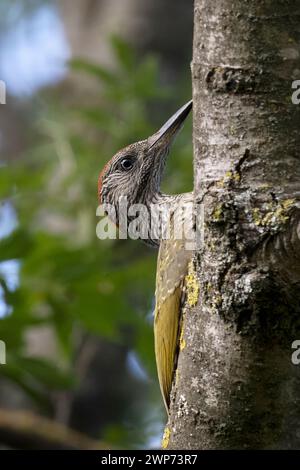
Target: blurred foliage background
[{"x": 84, "y": 78}]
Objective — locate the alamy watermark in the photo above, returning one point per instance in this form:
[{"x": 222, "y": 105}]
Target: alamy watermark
[
  {"x": 295, "y": 358},
  {"x": 296, "y": 93},
  {"x": 2, "y": 92},
  {"x": 2, "y": 353},
  {"x": 181, "y": 220}
]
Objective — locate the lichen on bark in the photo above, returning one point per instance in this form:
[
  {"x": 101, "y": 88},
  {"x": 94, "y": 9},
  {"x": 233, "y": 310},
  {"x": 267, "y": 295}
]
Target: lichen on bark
[{"x": 237, "y": 386}]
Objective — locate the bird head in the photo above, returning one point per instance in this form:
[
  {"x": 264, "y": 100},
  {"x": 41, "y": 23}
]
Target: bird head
[{"x": 135, "y": 172}]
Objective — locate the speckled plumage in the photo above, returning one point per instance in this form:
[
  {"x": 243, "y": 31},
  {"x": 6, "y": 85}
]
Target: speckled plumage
[{"x": 141, "y": 184}]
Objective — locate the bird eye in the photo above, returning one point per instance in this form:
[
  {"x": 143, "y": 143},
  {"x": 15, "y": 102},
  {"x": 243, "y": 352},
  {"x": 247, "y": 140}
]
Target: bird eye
[{"x": 126, "y": 163}]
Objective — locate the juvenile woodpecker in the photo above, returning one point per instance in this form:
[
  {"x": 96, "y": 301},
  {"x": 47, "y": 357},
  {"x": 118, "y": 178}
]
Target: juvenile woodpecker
[{"x": 135, "y": 173}]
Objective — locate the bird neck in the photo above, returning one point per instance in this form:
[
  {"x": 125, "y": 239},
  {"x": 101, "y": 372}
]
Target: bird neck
[
  {"x": 174, "y": 200},
  {"x": 155, "y": 213},
  {"x": 164, "y": 211},
  {"x": 147, "y": 215},
  {"x": 162, "y": 198}
]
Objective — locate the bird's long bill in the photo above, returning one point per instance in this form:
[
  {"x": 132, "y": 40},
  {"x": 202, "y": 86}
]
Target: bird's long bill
[{"x": 170, "y": 129}]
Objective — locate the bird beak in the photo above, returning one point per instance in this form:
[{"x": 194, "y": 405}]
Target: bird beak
[{"x": 166, "y": 134}]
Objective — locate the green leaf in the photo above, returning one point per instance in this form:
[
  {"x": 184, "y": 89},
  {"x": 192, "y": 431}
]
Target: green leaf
[
  {"x": 46, "y": 372},
  {"x": 33, "y": 390},
  {"x": 93, "y": 69},
  {"x": 124, "y": 53},
  {"x": 16, "y": 245}
]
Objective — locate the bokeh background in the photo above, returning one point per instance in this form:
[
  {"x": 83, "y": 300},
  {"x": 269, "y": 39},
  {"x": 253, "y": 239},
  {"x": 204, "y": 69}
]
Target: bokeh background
[{"x": 84, "y": 78}]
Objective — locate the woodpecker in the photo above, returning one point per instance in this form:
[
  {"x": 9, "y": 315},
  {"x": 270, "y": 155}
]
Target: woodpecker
[{"x": 135, "y": 173}]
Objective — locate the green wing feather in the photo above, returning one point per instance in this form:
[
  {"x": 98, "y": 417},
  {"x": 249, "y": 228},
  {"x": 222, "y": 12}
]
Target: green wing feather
[
  {"x": 172, "y": 265},
  {"x": 166, "y": 330}
]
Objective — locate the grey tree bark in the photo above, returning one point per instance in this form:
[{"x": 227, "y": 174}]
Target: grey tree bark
[{"x": 236, "y": 385}]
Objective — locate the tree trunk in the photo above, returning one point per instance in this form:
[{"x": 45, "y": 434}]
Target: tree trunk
[{"x": 236, "y": 384}]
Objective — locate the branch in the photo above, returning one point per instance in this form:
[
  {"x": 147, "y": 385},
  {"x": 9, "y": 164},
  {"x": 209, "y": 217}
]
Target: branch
[{"x": 25, "y": 430}]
